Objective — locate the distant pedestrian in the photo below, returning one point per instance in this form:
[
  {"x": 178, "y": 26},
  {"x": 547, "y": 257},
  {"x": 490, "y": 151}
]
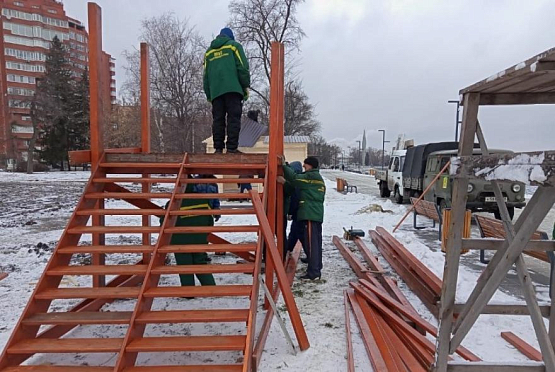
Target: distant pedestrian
[
  {"x": 226, "y": 83},
  {"x": 311, "y": 211},
  {"x": 342, "y": 167}
]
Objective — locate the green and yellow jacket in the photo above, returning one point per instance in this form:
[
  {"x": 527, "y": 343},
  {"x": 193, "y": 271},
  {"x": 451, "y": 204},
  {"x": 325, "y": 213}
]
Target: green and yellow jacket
[
  {"x": 312, "y": 192},
  {"x": 226, "y": 69}
]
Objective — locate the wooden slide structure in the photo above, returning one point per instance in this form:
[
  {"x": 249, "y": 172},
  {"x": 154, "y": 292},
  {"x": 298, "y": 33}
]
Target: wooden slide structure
[{"x": 45, "y": 328}]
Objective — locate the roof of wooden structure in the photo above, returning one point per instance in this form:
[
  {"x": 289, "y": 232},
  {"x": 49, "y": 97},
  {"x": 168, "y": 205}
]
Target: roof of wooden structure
[{"x": 529, "y": 82}]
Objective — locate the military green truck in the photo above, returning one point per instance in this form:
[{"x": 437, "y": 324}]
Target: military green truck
[{"x": 424, "y": 162}]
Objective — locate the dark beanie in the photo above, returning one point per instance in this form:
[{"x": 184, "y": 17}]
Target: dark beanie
[
  {"x": 226, "y": 31},
  {"x": 312, "y": 161}
]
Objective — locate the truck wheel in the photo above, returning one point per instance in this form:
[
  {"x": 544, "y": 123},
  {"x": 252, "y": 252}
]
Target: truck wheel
[
  {"x": 442, "y": 205},
  {"x": 398, "y": 196},
  {"x": 511, "y": 211}
]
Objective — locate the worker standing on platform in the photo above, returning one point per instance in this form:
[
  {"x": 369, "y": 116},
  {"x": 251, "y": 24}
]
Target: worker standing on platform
[
  {"x": 312, "y": 190},
  {"x": 198, "y": 238},
  {"x": 226, "y": 84}
]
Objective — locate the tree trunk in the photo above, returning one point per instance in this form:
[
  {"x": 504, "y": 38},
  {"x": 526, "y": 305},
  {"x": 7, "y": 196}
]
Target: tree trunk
[{"x": 31, "y": 148}]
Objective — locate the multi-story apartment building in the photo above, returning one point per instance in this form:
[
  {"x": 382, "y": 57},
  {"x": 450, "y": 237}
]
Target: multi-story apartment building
[{"x": 28, "y": 27}]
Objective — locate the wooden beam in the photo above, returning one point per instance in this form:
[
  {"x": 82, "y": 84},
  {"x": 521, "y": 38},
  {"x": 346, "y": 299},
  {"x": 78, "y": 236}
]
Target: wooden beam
[
  {"x": 3, "y": 276},
  {"x": 507, "y": 309},
  {"x": 522, "y": 346},
  {"x": 95, "y": 73},
  {"x": 349, "y": 337},
  {"x": 495, "y": 367},
  {"x": 517, "y": 98},
  {"x": 497, "y": 244}
]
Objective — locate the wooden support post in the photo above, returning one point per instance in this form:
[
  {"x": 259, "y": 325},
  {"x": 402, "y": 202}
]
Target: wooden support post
[
  {"x": 275, "y": 146},
  {"x": 96, "y": 119},
  {"x": 451, "y": 268},
  {"x": 145, "y": 132}
]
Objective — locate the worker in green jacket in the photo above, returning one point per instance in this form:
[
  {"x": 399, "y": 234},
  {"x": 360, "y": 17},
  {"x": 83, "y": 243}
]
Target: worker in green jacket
[
  {"x": 200, "y": 238},
  {"x": 226, "y": 83},
  {"x": 312, "y": 190}
]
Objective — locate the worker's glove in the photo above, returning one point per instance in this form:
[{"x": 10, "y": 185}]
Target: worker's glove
[
  {"x": 217, "y": 217},
  {"x": 281, "y": 179}
]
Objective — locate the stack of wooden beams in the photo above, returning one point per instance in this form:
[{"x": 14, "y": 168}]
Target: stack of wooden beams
[
  {"x": 393, "y": 333},
  {"x": 421, "y": 280}
]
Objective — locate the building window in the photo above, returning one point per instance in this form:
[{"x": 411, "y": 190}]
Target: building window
[
  {"x": 21, "y": 91},
  {"x": 24, "y": 67},
  {"x": 21, "y": 79},
  {"x": 15, "y": 103},
  {"x": 26, "y": 118},
  {"x": 52, "y": 11},
  {"x": 25, "y": 54},
  {"x": 12, "y": 13},
  {"x": 18, "y": 3}
]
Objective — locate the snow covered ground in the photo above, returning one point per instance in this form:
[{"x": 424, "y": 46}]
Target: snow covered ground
[{"x": 34, "y": 209}]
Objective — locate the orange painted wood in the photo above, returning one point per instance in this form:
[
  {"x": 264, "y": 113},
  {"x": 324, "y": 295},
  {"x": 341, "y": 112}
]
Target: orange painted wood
[
  {"x": 121, "y": 212},
  {"x": 190, "y": 343},
  {"x": 189, "y": 368},
  {"x": 228, "y": 195},
  {"x": 200, "y": 248},
  {"x": 78, "y": 157},
  {"x": 525, "y": 348},
  {"x": 134, "y": 180},
  {"x": 139, "y": 203},
  {"x": 67, "y": 345},
  {"x": 145, "y": 166},
  {"x": 50, "y": 368},
  {"x": 113, "y": 230},
  {"x": 215, "y": 167},
  {"x": 98, "y": 270},
  {"x": 223, "y": 180},
  {"x": 212, "y": 229},
  {"x": 95, "y": 88},
  {"x": 82, "y": 317},
  {"x": 350, "y": 357},
  {"x": 123, "y": 150},
  {"x": 130, "y": 195},
  {"x": 106, "y": 249},
  {"x": 105, "y": 292},
  {"x": 276, "y": 258},
  {"x": 247, "y": 268},
  {"x": 204, "y": 291},
  {"x": 424, "y": 355},
  {"x": 193, "y": 316},
  {"x": 3, "y": 276},
  {"x": 145, "y": 98},
  {"x": 221, "y": 212},
  {"x": 353, "y": 261}
]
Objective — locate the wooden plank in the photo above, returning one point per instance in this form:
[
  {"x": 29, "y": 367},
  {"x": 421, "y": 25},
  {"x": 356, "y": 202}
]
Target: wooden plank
[
  {"x": 193, "y": 316},
  {"x": 145, "y": 98},
  {"x": 376, "y": 359},
  {"x": 140, "y": 166},
  {"x": 80, "y": 292},
  {"x": 121, "y": 212},
  {"x": 200, "y": 248},
  {"x": 355, "y": 264},
  {"x": 189, "y": 343},
  {"x": 78, "y": 157},
  {"x": 67, "y": 345},
  {"x": 221, "y": 212},
  {"x": 188, "y": 368},
  {"x": 98, "y": 270},
  {"x": 204, "y": 291},
  {"x": 229, "y": 195},
  {"x": 517, "y": 99},
  {"x": 350, "y": 357},
  {"x": 79, "y": 318},
  {"x": 106, "y": 249},
  {"x": 522, "y": 346},
  {"x": 134, "y": 180},
  {"x": 506, "y": 309},
  {"x": 50, "y": 368},
  {"x": 242, "y": 158},
  {"x": 224, "y": 180},
  {"x": 247, "y": 268},
  {"x": 129, "y": 195},
  {"x": 142, "y": 159},
  {"x": 212, "y": 229},
  {"x": 491, "y": 244},
  {"x": 113, "y": 230},
  {"x": 96, "y": 106},
  {"x": 3, "y": 276}
]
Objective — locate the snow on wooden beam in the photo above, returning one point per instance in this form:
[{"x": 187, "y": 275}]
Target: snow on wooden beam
[{"x": 535, "y": 168}]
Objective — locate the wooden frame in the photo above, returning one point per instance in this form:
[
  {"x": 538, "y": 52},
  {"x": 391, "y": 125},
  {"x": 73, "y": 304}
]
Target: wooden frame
[{"x": 530, "y": 82}]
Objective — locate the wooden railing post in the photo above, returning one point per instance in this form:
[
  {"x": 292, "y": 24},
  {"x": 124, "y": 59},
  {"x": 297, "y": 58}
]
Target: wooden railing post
[{"x": 145, "y": 131}]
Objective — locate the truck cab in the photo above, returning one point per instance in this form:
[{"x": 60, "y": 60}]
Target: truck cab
[
  {"x": 390, "y": 181},
  {"x": 480, "y": 192}
]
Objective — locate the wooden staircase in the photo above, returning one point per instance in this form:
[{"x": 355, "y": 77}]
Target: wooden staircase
[{"x": 46, "y": 334}]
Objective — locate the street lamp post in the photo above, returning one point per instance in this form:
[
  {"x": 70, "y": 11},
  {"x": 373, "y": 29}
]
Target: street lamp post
[
  {"x": 359, "y": 149},
  {"x": 457, "y": 121},
  {"x": 383, "y": 146}
]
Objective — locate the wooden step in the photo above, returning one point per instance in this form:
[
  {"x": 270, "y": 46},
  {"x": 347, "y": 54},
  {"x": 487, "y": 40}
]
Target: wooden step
[
  {"x": 193, "y": 316},
  {"x": 200, "y": 248},
  {"x": 222, "y": 195},
  {"x": 121, "y": 212},
  {"x": 141, "y": 165},
  {"x": 203, "y": 291},
  {"x": 191, "y": 343},
  {"x": 98, "y": 270},
  {"x": 67, "y": 345},
  {"x": 106, "y": 249},
  {"x": 114, "y": 230},
  {"x": 79, "y": 317},
  {"x": 130, "y": 195},
  {"x": 78, "y": 292},
  {"x": 220, "y": 166},
  {"x": 51, "y": 368},
  {"x": 247, "y": 268},
  {"x": 212, "y": 229},
  {"x": 208, "y": 212},
  {"x": 222, "y": 180},
  {"x": 189, "y": 368},
  {"x": 135, "y": 180}
]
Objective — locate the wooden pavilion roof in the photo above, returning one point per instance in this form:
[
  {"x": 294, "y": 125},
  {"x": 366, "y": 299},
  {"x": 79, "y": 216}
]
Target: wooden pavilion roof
[{"x": 528, "y": 82}]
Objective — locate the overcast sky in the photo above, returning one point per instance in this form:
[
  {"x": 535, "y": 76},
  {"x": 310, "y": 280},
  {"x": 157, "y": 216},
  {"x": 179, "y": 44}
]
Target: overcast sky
[{"x": 370, "y": 64}]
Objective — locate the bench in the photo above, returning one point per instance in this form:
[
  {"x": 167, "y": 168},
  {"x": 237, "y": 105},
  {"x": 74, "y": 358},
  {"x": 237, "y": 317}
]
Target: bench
[
  {"x": 426, "y": 209},
  {"x": 344, "y": 187}
]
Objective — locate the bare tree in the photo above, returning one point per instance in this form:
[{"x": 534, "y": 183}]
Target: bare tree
[
  {"x": 176, "y": 53},
  {"x": 299, "y": 112},
  {"x": 257, "y": 24}
]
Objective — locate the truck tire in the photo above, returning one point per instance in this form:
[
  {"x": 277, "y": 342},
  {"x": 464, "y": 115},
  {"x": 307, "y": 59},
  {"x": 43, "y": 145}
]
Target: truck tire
[
  {"x": 384, "y": 191},
  {"x": 442, "y": 205},
  {"x": 511, "y": 211},
  {"x": 398, "y": 196}
]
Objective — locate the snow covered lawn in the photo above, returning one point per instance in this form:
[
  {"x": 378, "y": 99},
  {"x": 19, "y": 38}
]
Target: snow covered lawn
[{"x": 34, "y": 211}]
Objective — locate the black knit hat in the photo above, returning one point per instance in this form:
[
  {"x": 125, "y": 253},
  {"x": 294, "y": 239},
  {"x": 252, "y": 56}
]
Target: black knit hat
[{"x": 312, "y": 161}]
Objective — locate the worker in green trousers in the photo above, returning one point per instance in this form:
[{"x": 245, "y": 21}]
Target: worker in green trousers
[{"x": 199, "y": 238}]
